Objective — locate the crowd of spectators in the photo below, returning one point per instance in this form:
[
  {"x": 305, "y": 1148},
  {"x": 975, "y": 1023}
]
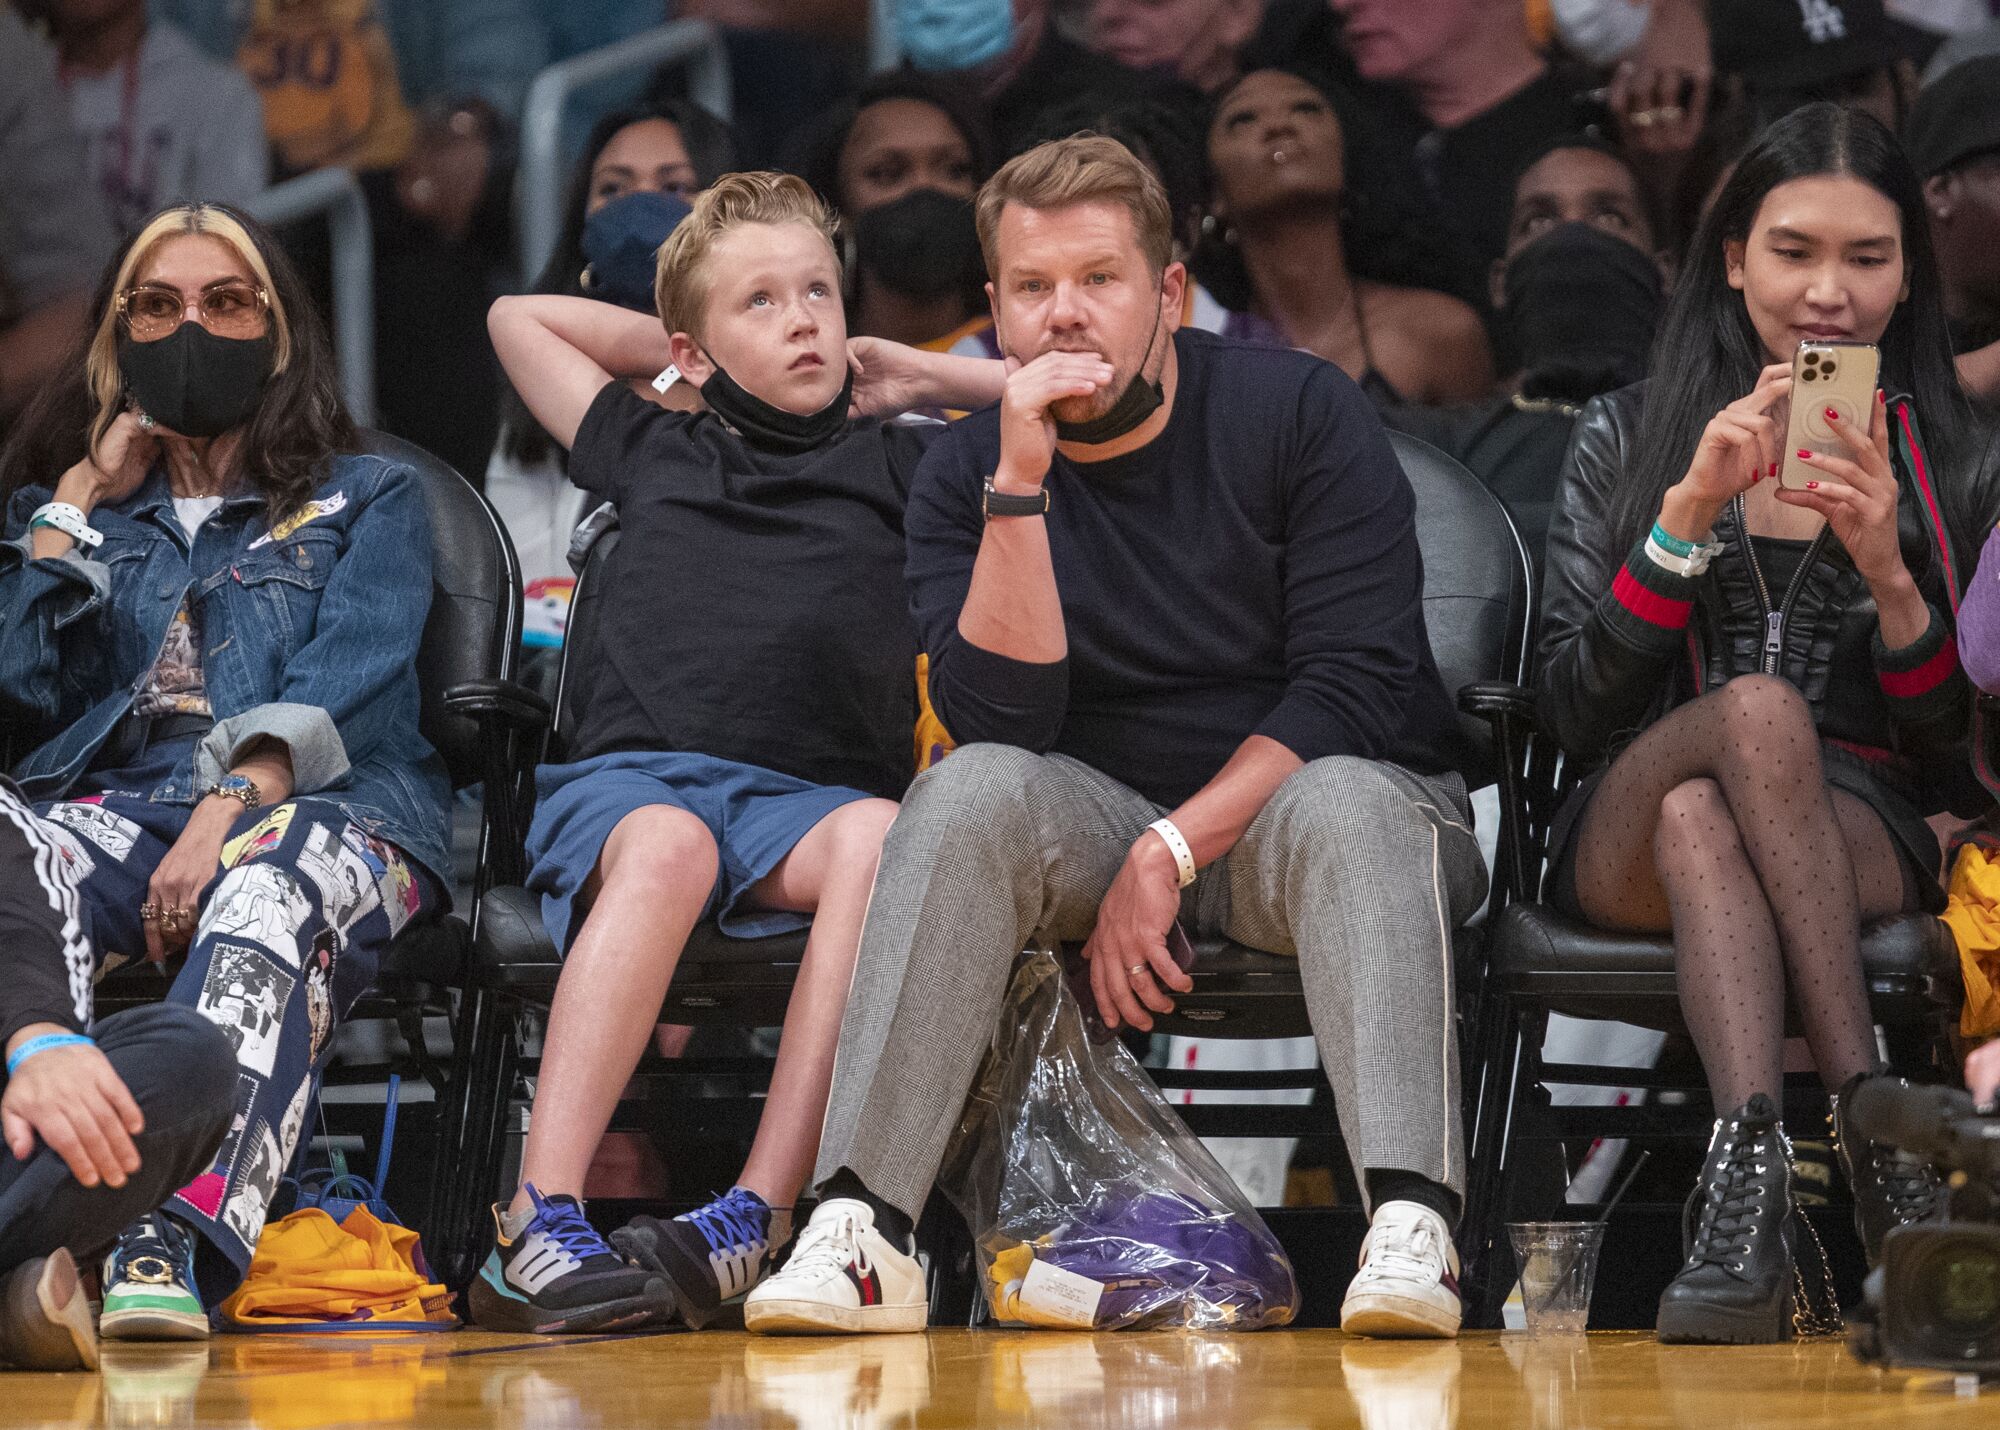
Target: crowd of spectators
[{"x": 1495, "y": 217}]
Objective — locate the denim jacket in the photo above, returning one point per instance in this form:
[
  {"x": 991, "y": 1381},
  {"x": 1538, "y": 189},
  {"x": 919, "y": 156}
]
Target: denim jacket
[{"x": 309, "y": 635}]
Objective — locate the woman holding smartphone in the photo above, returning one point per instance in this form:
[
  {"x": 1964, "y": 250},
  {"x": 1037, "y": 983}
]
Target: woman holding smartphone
[{"x": 1765, "y": 677}]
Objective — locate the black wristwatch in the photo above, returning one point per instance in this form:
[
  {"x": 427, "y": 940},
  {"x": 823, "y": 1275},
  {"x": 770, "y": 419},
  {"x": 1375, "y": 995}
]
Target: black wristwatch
[{"x": 999, "y": 503}]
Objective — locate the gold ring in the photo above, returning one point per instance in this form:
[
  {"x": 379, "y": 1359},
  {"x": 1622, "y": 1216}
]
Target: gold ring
[
  {"x": 1672, "y": 114},
  {"x": 149, "y": 913},
  {"x": 1645, "y": 118}
]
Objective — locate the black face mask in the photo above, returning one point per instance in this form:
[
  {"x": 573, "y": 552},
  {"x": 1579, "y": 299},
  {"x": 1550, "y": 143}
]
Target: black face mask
[
  {"x": 773, "y": 428},
  {"x": 193, "y": 382},
  {"x": 1581, "y": 307},
  {"x": 923, "y": 245},
  {"x": 1140, "y": 400}
]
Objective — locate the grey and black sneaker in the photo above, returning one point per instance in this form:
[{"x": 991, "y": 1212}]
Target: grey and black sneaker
[
  {"x": 711, "y": 1255},
  {"x": 551, "y": 1272},
  {"x": 45, "y": 1320}
]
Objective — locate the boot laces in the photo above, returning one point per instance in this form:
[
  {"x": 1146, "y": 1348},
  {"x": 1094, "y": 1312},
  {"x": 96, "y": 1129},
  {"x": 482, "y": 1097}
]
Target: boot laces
[
  {"x": 1735, "y": 1197},
  {"x": 1909, "y": 1184}
]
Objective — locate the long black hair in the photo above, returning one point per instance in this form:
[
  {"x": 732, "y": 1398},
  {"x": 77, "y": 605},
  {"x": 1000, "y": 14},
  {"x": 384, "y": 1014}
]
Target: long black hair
[
  {"x": 1708, "y": 353},
  {"x": 712, "y": 152},
  {"x": 1387, "y": 237},
  {"x": 300, "y": 420}
]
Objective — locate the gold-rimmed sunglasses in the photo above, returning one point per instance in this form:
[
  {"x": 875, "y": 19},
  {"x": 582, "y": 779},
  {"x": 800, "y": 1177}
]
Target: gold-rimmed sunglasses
[{"x": 229, "y": 309}]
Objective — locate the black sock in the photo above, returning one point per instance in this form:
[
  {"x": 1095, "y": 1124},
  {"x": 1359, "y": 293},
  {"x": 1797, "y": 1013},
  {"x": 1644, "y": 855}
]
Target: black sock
[
  {"x": 890, "y": 1221},
  {"x": 1392, "y": 1184}
]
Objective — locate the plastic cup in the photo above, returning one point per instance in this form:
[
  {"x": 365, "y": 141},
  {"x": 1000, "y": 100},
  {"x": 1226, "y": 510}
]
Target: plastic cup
[{"x": 1558, "y": 1261}]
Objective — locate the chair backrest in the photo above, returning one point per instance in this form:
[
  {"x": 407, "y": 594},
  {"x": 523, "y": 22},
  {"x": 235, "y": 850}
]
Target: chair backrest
[
  {"x": 579, "y": 636},
  {"x": 475, "y": 620},
  {"x": 1478, "y": 583}
]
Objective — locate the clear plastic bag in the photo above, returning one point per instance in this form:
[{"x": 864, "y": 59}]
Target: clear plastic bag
[{"x": 1090, "y": 1202}]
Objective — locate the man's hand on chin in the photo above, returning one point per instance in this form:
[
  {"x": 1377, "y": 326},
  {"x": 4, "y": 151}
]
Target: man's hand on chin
[{"x": 1130, "y": 964}]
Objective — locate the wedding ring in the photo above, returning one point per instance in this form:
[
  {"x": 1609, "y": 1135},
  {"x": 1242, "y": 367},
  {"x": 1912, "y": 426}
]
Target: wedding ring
[
  {"x": 1672, "y": 114},
  {"x": 1137, "y": 969},
  {"x": 1645, "y": 118},
  {"x": 147, "y": 422},
  {"x": 149, "y": 913}
]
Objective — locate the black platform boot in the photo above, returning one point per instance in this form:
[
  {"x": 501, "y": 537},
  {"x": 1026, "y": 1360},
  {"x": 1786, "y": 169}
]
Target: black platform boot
[
  {"x": 1891, "y": 1188},
  {"x": 1736, "y": 1285}
]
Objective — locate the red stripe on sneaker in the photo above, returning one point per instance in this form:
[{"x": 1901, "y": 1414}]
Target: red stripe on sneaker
[
  {"x": 869, "y": 1286},
  {"x": 1903, "y": 684},
  {"x": 1650, "y": 606}
]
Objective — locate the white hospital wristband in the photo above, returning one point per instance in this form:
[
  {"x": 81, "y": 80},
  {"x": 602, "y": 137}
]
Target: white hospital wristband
[{"x": 1183, "y": 856}]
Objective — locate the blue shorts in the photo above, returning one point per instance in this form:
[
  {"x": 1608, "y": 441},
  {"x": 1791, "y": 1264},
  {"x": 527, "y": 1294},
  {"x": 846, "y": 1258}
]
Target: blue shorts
[{"x": 757, "y": 817}]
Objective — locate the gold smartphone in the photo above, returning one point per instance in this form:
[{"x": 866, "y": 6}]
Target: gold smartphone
[{"x": 1827, "y": 374}]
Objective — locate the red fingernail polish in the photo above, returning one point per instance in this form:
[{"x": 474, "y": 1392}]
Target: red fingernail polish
[
  {"x": 1812, "y": 486},
  {"x": 1774, "y": 470},
  {"x": 1831, "y": 415},
  {"x": 1805, "y": 454}
]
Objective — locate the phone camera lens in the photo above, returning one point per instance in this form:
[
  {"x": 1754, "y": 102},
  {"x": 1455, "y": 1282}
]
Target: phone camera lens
[
  {"x": 1829, "y": 369},
  {"x": 1809, "y": 374}
]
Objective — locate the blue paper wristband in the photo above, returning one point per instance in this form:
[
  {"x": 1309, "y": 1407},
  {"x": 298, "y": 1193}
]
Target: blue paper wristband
[{"x": 43, "y": 1044}]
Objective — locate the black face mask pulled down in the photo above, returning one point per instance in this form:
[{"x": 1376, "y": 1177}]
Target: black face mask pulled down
[
  {"x": 1140, "y": 400},
  {"x": 193, "y": 382},
  {"x": 923, "y": 245},
  {"x": 773, "y": 428},
  {"x": 1581, "y": 308}
]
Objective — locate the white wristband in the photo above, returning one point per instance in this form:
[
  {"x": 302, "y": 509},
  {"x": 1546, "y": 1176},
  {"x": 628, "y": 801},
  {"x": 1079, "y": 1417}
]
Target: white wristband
[
  {"x": 1183, "y": 856},
  {"x": 69, "y": 521},
  {"x": 1690, "y": 565}
]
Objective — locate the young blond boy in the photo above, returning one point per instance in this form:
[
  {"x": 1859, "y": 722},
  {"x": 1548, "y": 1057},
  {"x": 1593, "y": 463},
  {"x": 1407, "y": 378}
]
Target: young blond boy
[{"x": 745, "y": 729}]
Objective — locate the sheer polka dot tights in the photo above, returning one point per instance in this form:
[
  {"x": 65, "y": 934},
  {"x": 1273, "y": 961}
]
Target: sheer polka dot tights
[{"x": 1717, "y": 824}]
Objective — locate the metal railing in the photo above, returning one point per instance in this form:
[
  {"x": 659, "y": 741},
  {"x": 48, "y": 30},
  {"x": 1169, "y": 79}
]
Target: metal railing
[
  {"x": 885, "y": 46},
  {"x": 337, "y": 194},
  {"x": 544, "y": 168}
]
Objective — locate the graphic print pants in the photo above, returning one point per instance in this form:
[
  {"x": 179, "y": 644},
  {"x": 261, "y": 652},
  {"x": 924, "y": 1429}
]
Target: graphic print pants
[{"x": 290, "y": 934}]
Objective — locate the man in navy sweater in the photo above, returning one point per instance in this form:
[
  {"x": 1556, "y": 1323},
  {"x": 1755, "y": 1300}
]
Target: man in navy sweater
[{"x": 1172, "y": 598}]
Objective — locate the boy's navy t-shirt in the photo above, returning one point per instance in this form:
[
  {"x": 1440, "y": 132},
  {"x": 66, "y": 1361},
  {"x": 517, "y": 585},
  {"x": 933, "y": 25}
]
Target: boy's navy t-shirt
[
  {"x": 1252, "y": 570},
  {"x": 755, "y": 607}
]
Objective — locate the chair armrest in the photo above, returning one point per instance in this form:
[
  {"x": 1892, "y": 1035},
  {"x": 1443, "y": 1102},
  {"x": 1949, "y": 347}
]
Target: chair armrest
[
  {"x": 1497, "y": 699},
  {"x": 1510, "y": 710},
  {"x": 504, "y": 700}
]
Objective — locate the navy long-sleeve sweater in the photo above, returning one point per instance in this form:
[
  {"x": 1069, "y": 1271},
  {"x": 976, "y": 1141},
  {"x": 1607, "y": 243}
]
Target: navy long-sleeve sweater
[{"x": 1252, "y": 570}]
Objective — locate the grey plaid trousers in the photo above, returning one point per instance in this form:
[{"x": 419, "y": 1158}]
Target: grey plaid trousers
[{"x": 1358, "y": 868}]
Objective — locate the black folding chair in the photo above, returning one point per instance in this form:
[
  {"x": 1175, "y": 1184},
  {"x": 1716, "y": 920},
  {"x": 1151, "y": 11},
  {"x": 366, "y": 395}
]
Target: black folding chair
[
  {"x": 1540, "y": 962},
  {"x": 465, "y": 670}
]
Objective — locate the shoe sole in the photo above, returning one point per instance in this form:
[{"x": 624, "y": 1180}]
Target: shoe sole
[
  {"x": 1720, "y": 1326},
  {"x": 49, "y": 1326},
  {"x": 692, "y": 1306},
  {"x": 814, "y": 1318},
  {"x": 1387, "y": 1317},
  {"x": 492, "y": 1311},
  {"x": 152, "y": 1324}
]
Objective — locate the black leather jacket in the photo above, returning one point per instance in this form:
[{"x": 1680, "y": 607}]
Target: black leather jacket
[{"x": 1622, "y": 641}]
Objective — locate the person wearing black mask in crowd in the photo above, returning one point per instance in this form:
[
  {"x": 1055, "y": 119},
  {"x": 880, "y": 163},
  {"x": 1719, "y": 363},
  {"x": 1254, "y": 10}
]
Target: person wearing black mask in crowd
[
  {"x": 1953, "y": 139},
  {"x": 639, "y": 169},
  {"x": 900, "y": 166},
  {"x": 1578, "y": 294}
]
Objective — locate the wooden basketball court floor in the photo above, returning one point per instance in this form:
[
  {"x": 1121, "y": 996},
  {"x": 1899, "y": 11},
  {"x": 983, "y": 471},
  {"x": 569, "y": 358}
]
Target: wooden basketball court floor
[{"x": 728, "y": 1381}]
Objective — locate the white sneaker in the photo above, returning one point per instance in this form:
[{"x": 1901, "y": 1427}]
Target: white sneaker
[
  {"x": 1408, "y": 1281},
  {"x": 843, "y": 1276}
]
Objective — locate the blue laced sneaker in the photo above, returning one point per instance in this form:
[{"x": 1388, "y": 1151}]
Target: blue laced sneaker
[
  {"x": 555, "y": 1273},
  {"x": 149, "y": 1286},
  {"x": 711, "y": 1255}
]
